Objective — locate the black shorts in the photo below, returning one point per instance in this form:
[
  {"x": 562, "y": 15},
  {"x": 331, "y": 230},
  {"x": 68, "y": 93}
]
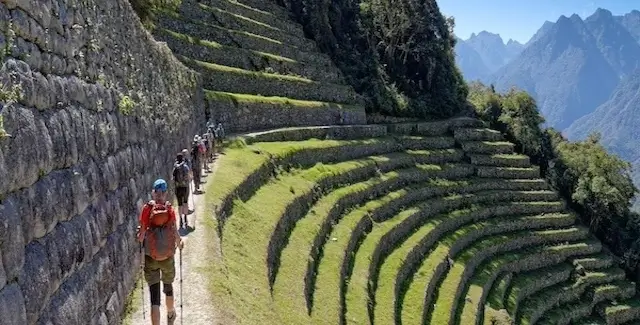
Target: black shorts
[{"x": 182, "y": 194}]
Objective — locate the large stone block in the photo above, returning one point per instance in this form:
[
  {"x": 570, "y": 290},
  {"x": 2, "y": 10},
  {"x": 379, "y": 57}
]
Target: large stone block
[
  {"x": 35, "y": 280},
  {"x": 11, "y": 238},
  {"x": 12, "y": 306},
  {"x": 20, "y": 123}
]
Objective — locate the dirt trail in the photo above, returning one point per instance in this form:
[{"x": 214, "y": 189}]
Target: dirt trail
[{"x": 197, "y": 303}]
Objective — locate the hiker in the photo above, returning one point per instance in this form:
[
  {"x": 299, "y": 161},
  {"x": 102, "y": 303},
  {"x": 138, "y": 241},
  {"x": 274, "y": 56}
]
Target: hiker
[
  {"x": 196, "y": 163},
  {"x": 182, "y": 180},
  {"x": 212, "y": 145},
  {"x": 221, "y": 132},
  {"x": 159, "y": 235},
  {"x": 207, "y": 148},
  {"x": 185, "y": 156}
]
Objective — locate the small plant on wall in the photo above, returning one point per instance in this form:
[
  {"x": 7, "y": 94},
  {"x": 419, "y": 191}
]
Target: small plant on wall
[
  {"x": 126, "y": 105},
  {"x": 8, "y": 96}
]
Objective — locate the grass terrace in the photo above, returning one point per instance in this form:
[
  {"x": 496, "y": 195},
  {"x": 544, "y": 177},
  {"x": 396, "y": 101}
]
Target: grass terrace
[
  {"x": 402, "y": 224},
  {"x": 259, "y": 71}
]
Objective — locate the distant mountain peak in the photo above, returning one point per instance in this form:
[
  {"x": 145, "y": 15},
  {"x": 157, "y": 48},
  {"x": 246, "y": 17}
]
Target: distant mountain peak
[
  {"x": 484, "y": 32},
  {"x": 513, "y": 42},
  {"x": 602, "y": 11},
  {"x": 575, "y": 18},
  {"x": 601, "y": 14},
  {"x": 486, "y": 36}
]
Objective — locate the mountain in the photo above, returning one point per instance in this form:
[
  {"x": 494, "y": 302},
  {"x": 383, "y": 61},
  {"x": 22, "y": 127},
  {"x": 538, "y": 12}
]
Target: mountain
[
  {"x": 545, "y": 28},
  {"x": 490, "y": 49},
  {"x": 617, "y": 121},
  {"x": 564, "y": 70},
  {"x": 618, "y": 46},
  {"x": 470, "y": 62},
  {"x": 631, "y": 22},
  {"x": 513, "y": 49}
]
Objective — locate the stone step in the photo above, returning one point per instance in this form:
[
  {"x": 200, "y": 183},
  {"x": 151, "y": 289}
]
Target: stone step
[
  {"x": 244, "y": 112},
  {"x": 590, "y": 321},
  {"x": 620, "y": 312},
  {"x": 532, "y": 172},
  {"x": 618, "y": 290},
  {"x": 228, "y": 79},
  {"x": 477, "y": 134},
  {"x": 487, "y": 147},
  {"x": 334, "y": 132},
  {"x": 232, "y": 56},
  {"x": 268, "y": 6},
  {"x": 599, "y": 261},
  {"x": 204, "y": 30},
  {"x": 434, "y": 128},
  {"x": 268, "y": 18},
  {"x": 226, "y": 19},
  {"x": 500, "y": 160}
]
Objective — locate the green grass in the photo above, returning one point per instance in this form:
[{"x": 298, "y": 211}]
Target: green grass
[
  {"x": 446, "y": 298},
  {"x": 426, "y": 275},
  {"x": 475, "y": 293},
  {"x": 357, "y": 297},
  {"x": 133, "y": 302},
  {"x": 633, "y": 303},
  {"x": 274, "y": 100},
  {"x": 495, "y": 299},
  {"x": 570, "y": 290},
  {"x": 249, "y": 8},
  {"x": 509, "y": 156},
  {"x": 565, "y": 313},
  {"x": 253, "y": 74},
  {"x": 328, "y": 283},
  {"x": 530, "y": 280},
  {"x": 176, "y": 15},
  {"x": 248, "y": 231},
  {"x": 235, "y": 166},
  {"x": 218, "y": 46},
  {"x": 213, "y": 9},
  {"x": 288, "y": 289}
]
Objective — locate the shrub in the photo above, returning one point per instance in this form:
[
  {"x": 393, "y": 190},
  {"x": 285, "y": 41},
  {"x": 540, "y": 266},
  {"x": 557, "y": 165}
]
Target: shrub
[
  {"x": 145, "y": 8},
  {"x": 404, "y": 69}
]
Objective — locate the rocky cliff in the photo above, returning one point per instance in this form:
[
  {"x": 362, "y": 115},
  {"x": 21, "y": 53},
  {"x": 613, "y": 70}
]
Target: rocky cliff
[{"x": 100, "y": 109}]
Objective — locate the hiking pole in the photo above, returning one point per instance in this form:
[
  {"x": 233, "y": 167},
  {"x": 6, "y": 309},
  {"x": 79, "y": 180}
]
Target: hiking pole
[
  {"x": 193, "y": 202},
  {"x": 181, "y": 295},
  {"x": 144, "y": 314}
]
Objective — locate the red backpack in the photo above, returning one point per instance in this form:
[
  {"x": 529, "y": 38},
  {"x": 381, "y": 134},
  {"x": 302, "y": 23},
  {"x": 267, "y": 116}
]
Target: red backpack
[{"x": 161, "y": 238}]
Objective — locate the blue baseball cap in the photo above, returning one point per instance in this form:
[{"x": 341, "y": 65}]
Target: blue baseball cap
[{"x": 160, "y": 185}]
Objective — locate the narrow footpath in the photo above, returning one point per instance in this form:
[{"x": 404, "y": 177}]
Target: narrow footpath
[{"x": 198, "y": 307}]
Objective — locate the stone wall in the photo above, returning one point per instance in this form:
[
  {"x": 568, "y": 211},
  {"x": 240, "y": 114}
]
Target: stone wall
[{"x": 102, "y": 111}]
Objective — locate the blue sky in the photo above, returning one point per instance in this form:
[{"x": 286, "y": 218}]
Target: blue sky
[{"x": 520, "y": 19}]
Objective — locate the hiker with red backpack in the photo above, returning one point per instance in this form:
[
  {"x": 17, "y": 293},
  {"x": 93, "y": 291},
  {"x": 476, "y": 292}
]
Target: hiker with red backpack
[
  {"x": 182, "y": 179},
  {"x": 159, "y": 236}
]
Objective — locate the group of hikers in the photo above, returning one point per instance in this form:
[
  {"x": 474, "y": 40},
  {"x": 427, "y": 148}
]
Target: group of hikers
[{"x": 158, "y": 232}]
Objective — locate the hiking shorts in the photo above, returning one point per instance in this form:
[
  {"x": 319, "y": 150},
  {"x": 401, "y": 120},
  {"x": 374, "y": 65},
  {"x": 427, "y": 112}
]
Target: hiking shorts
[
  {"x": 182, "y": 194},
  {"x": 156, "y": 271}
]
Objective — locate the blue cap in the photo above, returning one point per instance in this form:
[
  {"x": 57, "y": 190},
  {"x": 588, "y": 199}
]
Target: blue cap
[{"x": 160, "y": 185}]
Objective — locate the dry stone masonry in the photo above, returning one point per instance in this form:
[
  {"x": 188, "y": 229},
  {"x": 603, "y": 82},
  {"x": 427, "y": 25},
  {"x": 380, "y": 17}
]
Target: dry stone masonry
[
  {"x": 102, "y": 109},
  {"x": 259, "y": 70}
]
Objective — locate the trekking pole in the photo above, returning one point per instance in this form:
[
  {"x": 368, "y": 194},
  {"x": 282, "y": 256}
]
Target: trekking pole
[
  {"x": 181, "y": 295},
  {"x": 144, "y": 314},
  {"x": 195, "y": 214}
]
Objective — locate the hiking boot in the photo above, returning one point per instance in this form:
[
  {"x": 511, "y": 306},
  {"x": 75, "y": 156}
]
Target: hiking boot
[{"x": 171, "y": 317}]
